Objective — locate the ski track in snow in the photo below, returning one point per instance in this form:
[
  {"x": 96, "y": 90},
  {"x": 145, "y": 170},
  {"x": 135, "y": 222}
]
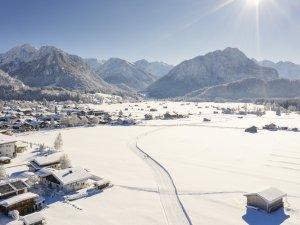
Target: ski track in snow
[
  {"x": 173, "y": 208},
  {"x": 174, "y": 211}
]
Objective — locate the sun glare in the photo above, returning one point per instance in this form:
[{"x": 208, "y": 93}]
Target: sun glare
[{"x": 254, "y": 2}]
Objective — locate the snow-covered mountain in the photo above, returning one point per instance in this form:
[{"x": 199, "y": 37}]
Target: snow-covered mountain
[
  {"x": 125, "y": 75},
  {"x": 214, "y": 68},
  {"x": 250, "y": 88},
  {"x": 8, "y": 81},
  {"x": 287, "y": 69},
  {"x": 50, "y": 66},
  {"x": 94, "y": 63},
  {"x": 158, "y": 69}
]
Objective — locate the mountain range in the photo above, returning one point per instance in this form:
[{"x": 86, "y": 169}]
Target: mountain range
[
  {"x": 158, "y": 69},
  {"x": 51, "y": 67},
  {"x": 286, "y": 69},
  {"x": 125, "y": 75},
  {"x": 218, "y": 67},
  {"x": 219, "y": 74}
]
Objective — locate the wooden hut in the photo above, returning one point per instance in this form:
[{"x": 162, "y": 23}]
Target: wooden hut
[{"x": 268, "y": 199}]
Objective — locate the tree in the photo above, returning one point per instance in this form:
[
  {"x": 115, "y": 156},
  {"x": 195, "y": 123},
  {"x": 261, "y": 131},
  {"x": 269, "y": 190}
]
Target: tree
[
  {"x": 3, "y": 174},
  {"x": 58, "y": 143},
  {"x": 32, "y": 180},
  {"x": 278, "y": 111},
  {"x": 84, "y": 121},
  {"x": 74, "y": 120},
  {"x": 95, "y": 120},
  {"x": 41, "y": 147},
  {"x": 65, "y": 162},
  {"x": 14, "y": 214},
  {"x": 52, "y": 122}
]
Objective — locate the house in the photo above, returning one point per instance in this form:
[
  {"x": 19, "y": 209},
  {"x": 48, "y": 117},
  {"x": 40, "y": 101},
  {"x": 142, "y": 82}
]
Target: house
[
  {"x": 49, "y": 161},
  {"x": 148, "y": 117},
  {"x": 70, "y": 179},
  {"x": 20, "y": 146},
  {"x": 34, "y": 219},
  {"x": 101, "y": 184},
  {"x": 4, "y": 160},
  {"x": 12, "y": 187},
  {"x": 7, "y": 146},
  {"x": 22, "y": 126},
  {"x": 24, "y": 203},
  {"x": 173, "y": 115},
  {"x": 268, "y": 199},
  {"x": 270, "y": 126},
  {"x": 206, "y": 120}
]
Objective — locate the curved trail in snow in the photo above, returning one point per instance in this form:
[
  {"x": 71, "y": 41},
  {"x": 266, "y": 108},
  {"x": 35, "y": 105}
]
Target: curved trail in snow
[{"x": 174, "y": 211}]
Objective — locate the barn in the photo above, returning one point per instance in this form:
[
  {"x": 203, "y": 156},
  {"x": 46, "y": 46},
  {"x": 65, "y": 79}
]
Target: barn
[
  {"x": 268, "y": 199},
  {"x": 24, "y": 203}
]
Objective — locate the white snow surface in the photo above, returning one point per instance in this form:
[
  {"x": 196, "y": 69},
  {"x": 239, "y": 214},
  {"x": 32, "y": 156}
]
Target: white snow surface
[{"x": 211, "y": 164}]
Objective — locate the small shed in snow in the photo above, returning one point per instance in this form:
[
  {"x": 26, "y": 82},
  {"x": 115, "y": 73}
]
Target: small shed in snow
[
  {"x": 34, "y": 219},
  {"x": 268, "y": 199}
]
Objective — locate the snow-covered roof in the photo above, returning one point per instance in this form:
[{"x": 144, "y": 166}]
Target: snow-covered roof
[
  {"x": 33, "y": 218},
  {"x": 18, "y": 198},
  {"x": 44, "y": 172},
  {"x": 101, "y": 182},
  {"x": 269, "y": 194},
  {"x": 3, "y": 158},
  {"x": 47, "y": 159},
  {"x": 21, "y": 144},
  {"x": 15, "y": 222},
  {"x": 10, "y": 186},
  {"x": 71, "y": 175},
  {"x": 4, "y": 139}
]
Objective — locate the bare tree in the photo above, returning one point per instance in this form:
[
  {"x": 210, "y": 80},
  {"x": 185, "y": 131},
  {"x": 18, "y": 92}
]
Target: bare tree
[
  {"x": 84, "y": 121},
  {"x": 278, "y": 111},
  {"x": 3, "y": 174},
  {"x": 65, "y": 162},
  {"x": 32, "y": 180},
  {"x": 14, "y": 214},
  {"x": 52, "y": 122},
  {"x": 58, "y": 143},
  {"x": 95, "y": 120},
  {"x": 74, "y": 120}
]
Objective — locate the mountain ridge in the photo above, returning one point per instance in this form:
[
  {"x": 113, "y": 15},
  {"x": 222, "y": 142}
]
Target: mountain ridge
[{"x": 211, "y": 69}]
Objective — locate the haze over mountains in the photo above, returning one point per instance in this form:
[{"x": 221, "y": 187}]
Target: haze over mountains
[
  {"x": 287, "y": 69},
  {"x": 220, "y": 74},
  {"x": 125, "y": 75}
]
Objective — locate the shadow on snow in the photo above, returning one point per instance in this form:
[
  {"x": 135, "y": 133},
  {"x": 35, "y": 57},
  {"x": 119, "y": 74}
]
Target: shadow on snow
[{"x": 254, "y": 217}]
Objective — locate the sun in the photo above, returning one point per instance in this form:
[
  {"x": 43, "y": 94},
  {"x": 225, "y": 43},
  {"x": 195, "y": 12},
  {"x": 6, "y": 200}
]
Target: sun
[{"x": 254, "y": 2}]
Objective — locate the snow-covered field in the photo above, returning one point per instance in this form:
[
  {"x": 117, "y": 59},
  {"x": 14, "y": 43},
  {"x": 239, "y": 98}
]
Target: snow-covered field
[{"x": 211, "y": 164}]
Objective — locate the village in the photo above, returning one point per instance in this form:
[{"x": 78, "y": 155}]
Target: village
[
  {"x": 50, "y": 175},
  {"x": 41, "y": 174}
]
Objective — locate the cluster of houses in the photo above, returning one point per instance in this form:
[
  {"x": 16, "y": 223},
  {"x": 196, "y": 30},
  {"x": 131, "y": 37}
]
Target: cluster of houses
[
  {"x": 15, "y": 119},
  {"x": 272, "y": 127},
  {"x": 167, "y": 116},
  {"x": 19, "y": 194}
]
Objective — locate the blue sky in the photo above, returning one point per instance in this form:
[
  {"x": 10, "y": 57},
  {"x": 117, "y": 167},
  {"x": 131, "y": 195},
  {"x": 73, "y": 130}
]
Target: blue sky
[{"x": 163, "y": 30}]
